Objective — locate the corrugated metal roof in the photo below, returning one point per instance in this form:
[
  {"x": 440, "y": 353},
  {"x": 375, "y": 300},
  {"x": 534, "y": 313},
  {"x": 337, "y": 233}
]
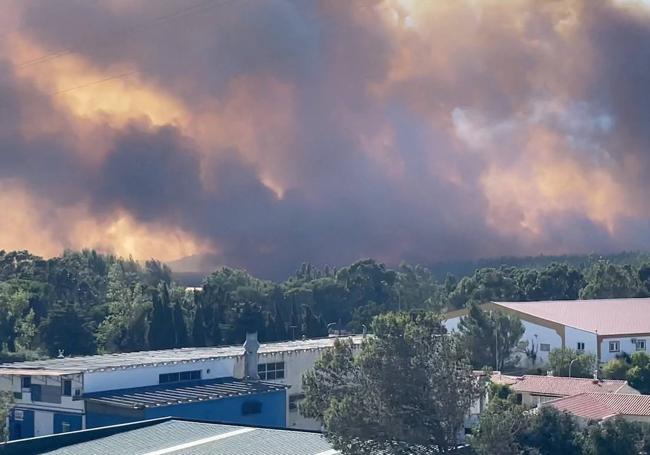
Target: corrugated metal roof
[
  {"x": 185, "y": 437},
  {"x": 70, "y": 365},
  {"x": 604, "y": 316},
  {"x": 599, "y": 406},
  {"x": 560, "y": 386},
  {"x": 185, "y": 392}
]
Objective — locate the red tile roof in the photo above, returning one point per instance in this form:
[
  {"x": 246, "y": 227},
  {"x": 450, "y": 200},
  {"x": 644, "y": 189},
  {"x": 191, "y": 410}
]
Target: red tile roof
[
  {"x": 556, "y": 386},
  {"x": 605, "y": 316},
  {"x": 599, "y": 406}
]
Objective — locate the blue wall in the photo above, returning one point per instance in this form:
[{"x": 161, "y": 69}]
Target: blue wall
[
  {"x": 73, "y": 419},
  {"x": 21, "y": 429},
  {"x": 229, "y": 410}
]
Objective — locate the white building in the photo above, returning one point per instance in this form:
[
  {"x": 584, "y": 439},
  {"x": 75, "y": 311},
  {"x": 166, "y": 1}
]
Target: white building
[
  {"x": 604, "y": 327},
  {"x": 51, "y": 392}
]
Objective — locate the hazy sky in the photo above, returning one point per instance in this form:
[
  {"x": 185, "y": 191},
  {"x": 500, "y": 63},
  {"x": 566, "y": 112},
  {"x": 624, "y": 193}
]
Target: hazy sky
[{"x": 271, "y": 132}]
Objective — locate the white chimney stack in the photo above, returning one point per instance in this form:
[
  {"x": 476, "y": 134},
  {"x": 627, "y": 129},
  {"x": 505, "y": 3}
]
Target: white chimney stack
[{"x": 251, "y": 346}]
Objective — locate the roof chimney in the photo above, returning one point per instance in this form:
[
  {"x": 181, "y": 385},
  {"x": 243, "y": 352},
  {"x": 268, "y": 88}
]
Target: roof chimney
[{"x": 251, "y": 346}]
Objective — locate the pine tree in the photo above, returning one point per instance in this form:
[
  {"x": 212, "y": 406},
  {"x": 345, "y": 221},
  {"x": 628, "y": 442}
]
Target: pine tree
[{"x": 180, "y": 330}]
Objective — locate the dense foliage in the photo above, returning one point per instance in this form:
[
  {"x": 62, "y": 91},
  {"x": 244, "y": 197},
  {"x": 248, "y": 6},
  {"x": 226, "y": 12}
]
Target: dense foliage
[
  {"x": 507, "y": 428},
  {"x": 84, "y": 302},
  {"x": 407, "y": 391},
  {"x": 634, "y": 368}
]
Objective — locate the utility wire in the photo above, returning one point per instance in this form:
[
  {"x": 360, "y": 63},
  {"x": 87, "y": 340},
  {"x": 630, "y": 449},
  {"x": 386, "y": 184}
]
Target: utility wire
[
  {"x": 200, "y": 6},
  {"x": 100, "y": 81}
]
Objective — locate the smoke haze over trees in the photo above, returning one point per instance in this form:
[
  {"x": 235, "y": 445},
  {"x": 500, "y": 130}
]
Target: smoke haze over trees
[{"x": 85, "y": 302}]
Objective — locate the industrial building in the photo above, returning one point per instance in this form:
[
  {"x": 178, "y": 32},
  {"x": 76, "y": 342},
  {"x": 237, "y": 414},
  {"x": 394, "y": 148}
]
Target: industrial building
[
  {"x": 606, "y": 328},
  {"x": 174, "y": 436},
  {"x": 254, "y": 384}
]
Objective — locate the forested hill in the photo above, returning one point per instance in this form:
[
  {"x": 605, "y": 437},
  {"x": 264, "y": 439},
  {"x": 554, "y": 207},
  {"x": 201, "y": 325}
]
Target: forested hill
[{"x": 85, "y": 302}]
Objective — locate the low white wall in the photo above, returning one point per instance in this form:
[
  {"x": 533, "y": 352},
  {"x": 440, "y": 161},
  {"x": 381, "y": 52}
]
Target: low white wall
[{"x": 147, "y": 375}]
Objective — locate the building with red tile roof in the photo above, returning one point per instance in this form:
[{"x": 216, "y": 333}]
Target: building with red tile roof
[
  {"x": 589, "y": 407},
  {"x": 533, "y": 390}
]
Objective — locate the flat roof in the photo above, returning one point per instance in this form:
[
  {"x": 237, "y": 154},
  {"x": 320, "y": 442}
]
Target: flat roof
[
  {"x": 71, "y": 365},
  {"x": 184, "y": 392},
  {"x": 176, "y": 436}
]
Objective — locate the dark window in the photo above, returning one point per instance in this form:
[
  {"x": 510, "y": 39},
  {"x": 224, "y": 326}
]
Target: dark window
[
  {"x": 519, "y": 398},
  {"x": 581, "y": 346},
  {"x": 180, "y": 376},
  {"x": 46, "y": 393},
  {"x": 18, "y": 395},
  {"x": 36, "y": 392},
  {"x": 67, "y": 388},
  {"x": 294, "y": 400},
  {"x": 26, "y": 382},
  {"x": 271, "y": 371},
  {"x": 544, "y": 347},
  {"x": 251, "y": 407}
]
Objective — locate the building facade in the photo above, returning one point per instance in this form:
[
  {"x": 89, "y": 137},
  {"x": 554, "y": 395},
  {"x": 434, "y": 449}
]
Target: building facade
[
  {"x": 65, "y": 394},
  {"x": 606, "y": 328}
]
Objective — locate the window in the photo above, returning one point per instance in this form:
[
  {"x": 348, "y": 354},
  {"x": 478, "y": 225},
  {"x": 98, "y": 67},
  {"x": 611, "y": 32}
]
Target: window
[
  {"x": 18, "y": 395},
  {"x": 520, "y": 398},
  {"x": 193, "y": 375},
  {"x": 294, "y": 400},
  {"x": 581, "y": 346},
  {"x": 614, "y": 346},
  {"x": 67, "y": 388},
  {"x": 46, "y": 393},
  {"x": 270, "y": 371},
  {"x": 65, "y": 427},
  {"x": 640, "y": 345},
  {"x": 544, "y": 347},
  {"x": 251, "y": 407},
  {"x": 18, "y": 414},
  {"x": 26, "y": 382}
]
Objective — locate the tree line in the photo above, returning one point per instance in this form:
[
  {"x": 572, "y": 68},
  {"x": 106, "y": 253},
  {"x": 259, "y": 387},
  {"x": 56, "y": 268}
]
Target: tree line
[{"x": 83, "y": 302}]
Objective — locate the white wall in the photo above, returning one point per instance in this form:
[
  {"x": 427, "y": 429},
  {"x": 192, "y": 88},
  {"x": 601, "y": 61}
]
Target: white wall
[
  {"x": 146, "y": 375},
  {"x": 538, "y": 334},
  {"x": 452, "y": 324},
  {"x": 626, "y": 345},
  {"x": 573, "y": 336}
]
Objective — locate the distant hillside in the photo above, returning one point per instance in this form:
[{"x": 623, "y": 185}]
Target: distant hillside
[
  {"x": 191, "y": 270},
  {"x": 466, "y": 268}
]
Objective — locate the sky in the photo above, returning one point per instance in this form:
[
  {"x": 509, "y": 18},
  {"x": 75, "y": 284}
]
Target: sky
[{"x": 265, "y": 133}]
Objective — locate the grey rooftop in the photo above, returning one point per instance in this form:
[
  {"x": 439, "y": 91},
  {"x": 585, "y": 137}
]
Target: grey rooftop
[
  {"x": 70, "y": 365},
  {"x": 185, "y": 392},
  {"x": 175, "y": 436}
]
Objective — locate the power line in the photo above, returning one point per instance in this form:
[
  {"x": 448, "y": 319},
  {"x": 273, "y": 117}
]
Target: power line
[
  {"x": 100, "y": 81},
  {"x": 203, "y": 5}
]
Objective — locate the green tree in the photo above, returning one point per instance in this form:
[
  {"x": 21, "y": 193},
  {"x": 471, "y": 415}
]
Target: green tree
[
  {"x": 605, "y": 280},
  {"x": 180, "y": 327},
  {"x": 616, "y": 437},
  {"x": 616, "y": 368},
  {"x": 6, "y": 402},
  {"x": 500, "y": 429},
  {"x": 408, "y": 391},
  {"x": 160, "y": 332},
  {"x": 559, "y": 361},
  {"x": 66, "y": 328},
  {"x": 638, "y": 375},
  {"x": 551, "y": 432},
  {"x": 490, "y": 336}
]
